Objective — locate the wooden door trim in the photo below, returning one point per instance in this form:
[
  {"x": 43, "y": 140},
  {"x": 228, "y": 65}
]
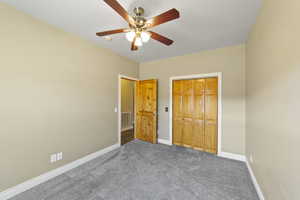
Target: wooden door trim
[
  {"x": 195, "y": 76},
  {"x": 119, "y": 108}
]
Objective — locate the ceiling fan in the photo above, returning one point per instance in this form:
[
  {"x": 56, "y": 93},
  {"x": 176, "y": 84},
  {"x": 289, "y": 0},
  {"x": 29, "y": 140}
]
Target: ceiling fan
[{"x": 138, "y": 31}]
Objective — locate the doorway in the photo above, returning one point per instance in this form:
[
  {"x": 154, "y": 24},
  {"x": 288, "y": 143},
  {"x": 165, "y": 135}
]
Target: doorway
[
  {"x": 137, "y": 110},
  {"x": 127, "y": 110},
  {"x": 195, "y": 111}
]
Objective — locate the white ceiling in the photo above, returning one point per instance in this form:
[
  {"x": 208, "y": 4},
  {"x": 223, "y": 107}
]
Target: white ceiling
[{"x": 203, "y": 24}]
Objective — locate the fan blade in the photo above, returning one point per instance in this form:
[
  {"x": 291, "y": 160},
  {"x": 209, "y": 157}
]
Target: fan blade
[
  {"x": 161, "y": 38},
  {"x": 120, "y": 10},
  {"x": 133, "y": 47},
  {"x": 104, "y": 33},
  {"x": 163, "y": 18}
]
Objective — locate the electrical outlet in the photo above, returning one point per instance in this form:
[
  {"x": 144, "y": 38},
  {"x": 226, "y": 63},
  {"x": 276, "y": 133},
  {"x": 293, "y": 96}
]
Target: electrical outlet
[
  {"x": 166, "y": 109},
  {"x": 53, "y": 158},
  {"x": 251, "y": 158},
  {"x": 59, "y": 156}
]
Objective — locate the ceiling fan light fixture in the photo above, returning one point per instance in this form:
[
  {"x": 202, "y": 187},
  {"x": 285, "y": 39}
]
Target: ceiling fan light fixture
[
  {"x": 130, "y": 36},
  {"x": 138, "y": 31},
  {"x": 138, "y": 42},
  {"x": 145, "y": 36}
]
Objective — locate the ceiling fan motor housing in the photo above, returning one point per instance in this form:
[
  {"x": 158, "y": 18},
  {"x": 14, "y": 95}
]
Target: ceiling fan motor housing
[
  {"x": 138, "y": 11},
  {"x": 140, "y": 21}
]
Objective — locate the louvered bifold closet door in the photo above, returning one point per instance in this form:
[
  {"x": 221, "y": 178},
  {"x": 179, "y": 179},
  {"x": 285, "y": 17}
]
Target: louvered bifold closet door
[{"x": 195, "y": 113}]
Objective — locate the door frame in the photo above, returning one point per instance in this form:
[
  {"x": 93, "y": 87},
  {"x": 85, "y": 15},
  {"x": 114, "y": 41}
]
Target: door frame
[
  {"x": 195, "y": 76},
  {"x": 120, "y": 77}
]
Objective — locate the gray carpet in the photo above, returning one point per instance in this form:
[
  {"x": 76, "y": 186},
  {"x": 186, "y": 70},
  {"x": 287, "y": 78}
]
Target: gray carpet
[{"x": 139, "y": 171}]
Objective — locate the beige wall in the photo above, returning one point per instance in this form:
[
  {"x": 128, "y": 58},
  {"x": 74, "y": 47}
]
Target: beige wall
[
  {"x": 273, "y": 99},
  {"x": 231, "y": 62},
  {"x": 58, "y": 94}
]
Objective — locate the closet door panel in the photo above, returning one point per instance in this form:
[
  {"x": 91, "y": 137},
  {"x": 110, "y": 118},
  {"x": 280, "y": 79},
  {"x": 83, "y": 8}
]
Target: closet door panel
[
  {"x": 198, "y": 118},
  {"x": 211, "y": 107},
  {"x": 211, "y": 86},
  {"x": 177, "y": 112},
  {"x": 210, "y": 136},
  {"x": 211, "y": 114},
  {"x": 187, "y": 132},
  {"x": 177, "y": 131},
  {"x": 187, "y": 87},
  {"x": 177, "y": 100},
  {"x": 188, "y": 111},
  {"x": 198, "y": 135}
]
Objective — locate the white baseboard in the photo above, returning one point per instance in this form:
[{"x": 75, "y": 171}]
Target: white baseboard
[
  {"x": 256, "y": 185},
  {"x": 232, "y": 156},
  {"x": 244, "y": 159},
  {"x": 164, "y": 141},
  {"x": 9, "y": 193}
]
